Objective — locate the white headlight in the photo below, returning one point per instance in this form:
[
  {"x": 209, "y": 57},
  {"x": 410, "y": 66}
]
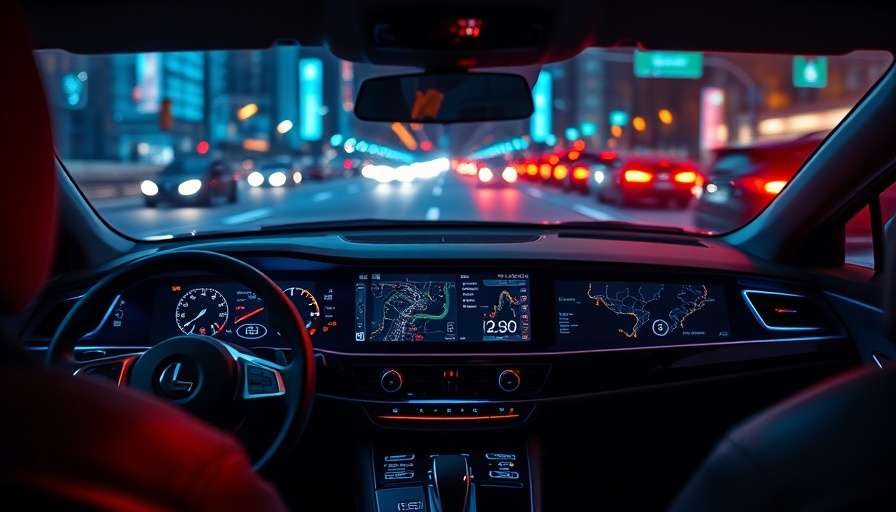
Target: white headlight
[
  {"x": 189, "y": 187},
  {"x": 486, "y": 175},
  {"x": 149, "y": 188},
  {"x": 599, "y": 176},
  {"x": 277, "y": 179},
  {"x": 255, "y": 179},
  {"x": 297, "y": 177},
  {"x": 509, "y": 175}
]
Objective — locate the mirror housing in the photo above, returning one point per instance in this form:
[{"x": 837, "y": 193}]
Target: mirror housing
[{"x": 444, "y": 98}]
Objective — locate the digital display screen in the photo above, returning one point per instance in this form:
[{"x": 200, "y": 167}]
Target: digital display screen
[
  {"x": 423, "y": 308},
  {"x": 624, "y": 314}
]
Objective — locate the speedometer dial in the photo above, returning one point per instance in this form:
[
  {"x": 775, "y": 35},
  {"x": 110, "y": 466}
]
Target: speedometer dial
[
  {"x": 307, "y": 306},
  {"x": 202, "y": 311}
]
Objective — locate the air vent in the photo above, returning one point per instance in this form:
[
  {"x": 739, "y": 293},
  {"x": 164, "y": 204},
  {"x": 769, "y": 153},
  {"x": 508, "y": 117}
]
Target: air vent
[
  {"x": 440, "y": 239},
  {"x": 625, "y": 237},
  {"x": 419, "y": 381},
  {"x": 483, "y": 380},
  {"x": 785, "y": 312},
  {"x": 428, "y": 381}
]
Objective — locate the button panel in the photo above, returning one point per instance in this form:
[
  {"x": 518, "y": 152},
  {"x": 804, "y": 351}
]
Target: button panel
[
  {"x": 397, "y": 467},
  {"x": 447, "y": 415},
  {"x": 261, "y": 381},
  {"x": 503, "y": 468},
  {"x": 498, "y": 470}
]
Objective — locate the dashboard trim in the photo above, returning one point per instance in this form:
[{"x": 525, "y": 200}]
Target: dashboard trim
[
  {"x": 856, "y": 302},
  {"x": 572, "y": 352}
]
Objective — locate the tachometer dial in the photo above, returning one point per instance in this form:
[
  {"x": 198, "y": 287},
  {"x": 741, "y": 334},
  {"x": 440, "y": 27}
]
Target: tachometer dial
[
  {"x": 307, "y": 306},
  {"x": 202, "y": 311}
]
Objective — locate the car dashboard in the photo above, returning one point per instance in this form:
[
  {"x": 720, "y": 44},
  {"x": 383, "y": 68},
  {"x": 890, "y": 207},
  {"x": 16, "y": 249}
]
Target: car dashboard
[{"x": 425, "y": 340}]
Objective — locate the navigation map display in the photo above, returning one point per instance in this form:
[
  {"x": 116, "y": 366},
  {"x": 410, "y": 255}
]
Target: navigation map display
[
  {"x": 622, "y": 314},
  {"x": 442, "y": 307}
]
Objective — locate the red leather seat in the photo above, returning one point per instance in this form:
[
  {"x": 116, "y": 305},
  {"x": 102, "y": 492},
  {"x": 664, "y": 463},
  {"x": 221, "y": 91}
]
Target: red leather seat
[{"x": 74, "y": 443}]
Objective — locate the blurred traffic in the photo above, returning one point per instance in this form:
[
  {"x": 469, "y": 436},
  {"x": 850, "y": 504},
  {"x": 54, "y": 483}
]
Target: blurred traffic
[{"x": 196, "y": 142}]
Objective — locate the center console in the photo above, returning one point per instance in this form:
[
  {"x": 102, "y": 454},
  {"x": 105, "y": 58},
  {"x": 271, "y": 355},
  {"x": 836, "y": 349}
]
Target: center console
[{"x": 443, "y": 475}]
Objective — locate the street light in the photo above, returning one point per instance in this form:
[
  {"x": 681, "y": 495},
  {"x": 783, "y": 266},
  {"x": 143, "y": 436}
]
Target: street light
[
  {"x": 284, "y": 126},
  {"x": 246, "y": 111},
  {"x": 665, "y": 116}
]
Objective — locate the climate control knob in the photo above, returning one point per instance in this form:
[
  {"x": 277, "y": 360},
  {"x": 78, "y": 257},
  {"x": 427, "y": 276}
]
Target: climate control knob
[
  {"x": 509, "y": 380},
  {"x": 391, "y": 380}
]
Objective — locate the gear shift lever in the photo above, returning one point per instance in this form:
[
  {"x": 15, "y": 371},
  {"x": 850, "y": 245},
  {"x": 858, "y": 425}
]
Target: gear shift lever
[{"x": 451, "y": 476}]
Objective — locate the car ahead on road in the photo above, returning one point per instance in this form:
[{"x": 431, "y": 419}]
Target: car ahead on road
[
  {"x": 742, "y": 181},
  {"x": 628, "y": 179},
  {"x": 578, "y": 169},
  {"x": 495, "y": 172},
  {"x": 196, "y": 181},
  {"x": 274, "y": 173}
]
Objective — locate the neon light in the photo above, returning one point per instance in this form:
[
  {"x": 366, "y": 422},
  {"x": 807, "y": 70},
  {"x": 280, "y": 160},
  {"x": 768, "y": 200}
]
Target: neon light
[
  {"x": 311, "y": 98},
  {"x": 540, "y": 124}
]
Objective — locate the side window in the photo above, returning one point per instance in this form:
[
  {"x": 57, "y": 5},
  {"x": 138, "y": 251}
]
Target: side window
[{"x": 860, "y": 243}]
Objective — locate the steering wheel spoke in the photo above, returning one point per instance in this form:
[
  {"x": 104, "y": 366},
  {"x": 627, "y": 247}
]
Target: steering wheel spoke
[
  {"x": 113, "y": 368},
  {"x": 260, "y": 378}
]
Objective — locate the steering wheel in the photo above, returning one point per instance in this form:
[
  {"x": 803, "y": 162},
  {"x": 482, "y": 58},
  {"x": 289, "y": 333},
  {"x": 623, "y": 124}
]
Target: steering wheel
[{"x": 201, "y": 374}]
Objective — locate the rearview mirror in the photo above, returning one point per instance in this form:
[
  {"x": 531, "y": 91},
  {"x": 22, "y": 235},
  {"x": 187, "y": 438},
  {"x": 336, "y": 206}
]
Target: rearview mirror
[{"x": 444, "y": 98}]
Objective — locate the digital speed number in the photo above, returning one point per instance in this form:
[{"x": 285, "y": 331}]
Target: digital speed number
[{"x": 500, "y": 327}]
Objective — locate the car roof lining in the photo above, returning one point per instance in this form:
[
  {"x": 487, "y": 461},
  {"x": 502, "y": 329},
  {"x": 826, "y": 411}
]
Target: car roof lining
[{"x": 794, "y": 26}]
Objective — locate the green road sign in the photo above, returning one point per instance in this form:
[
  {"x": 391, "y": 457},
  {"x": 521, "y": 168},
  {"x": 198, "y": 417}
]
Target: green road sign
[
  {"x": 668, "y": 64},
  {"x": 810, "y": 71}
]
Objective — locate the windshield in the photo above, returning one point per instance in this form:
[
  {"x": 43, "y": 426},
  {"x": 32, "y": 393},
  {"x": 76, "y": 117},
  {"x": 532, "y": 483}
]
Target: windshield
[{"x": 697, "y": 141}]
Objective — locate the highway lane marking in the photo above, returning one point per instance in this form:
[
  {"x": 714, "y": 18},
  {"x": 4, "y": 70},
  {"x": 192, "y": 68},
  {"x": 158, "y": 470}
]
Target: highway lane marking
[
  {"x": 591, "y": 212},
  {"x": 321, "y": 196},
  {"x": 432, "y": 213},
  {"x": 534, "y": 192},
  {"x": 249, "y": 216},
  {"x": 437, "y": 191}
]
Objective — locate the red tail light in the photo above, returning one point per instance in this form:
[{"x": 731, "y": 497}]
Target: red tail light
[
  {"x": 685, "y": 177},
  {"x": 773, "y": 187},
  {"x": 560, "y": 172},
  {"x": 637, "y": 176},
  {"x": 580, "y": 173}
]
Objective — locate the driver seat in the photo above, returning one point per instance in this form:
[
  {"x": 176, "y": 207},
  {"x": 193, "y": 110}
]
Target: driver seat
[{"x": 75, "y": 443}]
